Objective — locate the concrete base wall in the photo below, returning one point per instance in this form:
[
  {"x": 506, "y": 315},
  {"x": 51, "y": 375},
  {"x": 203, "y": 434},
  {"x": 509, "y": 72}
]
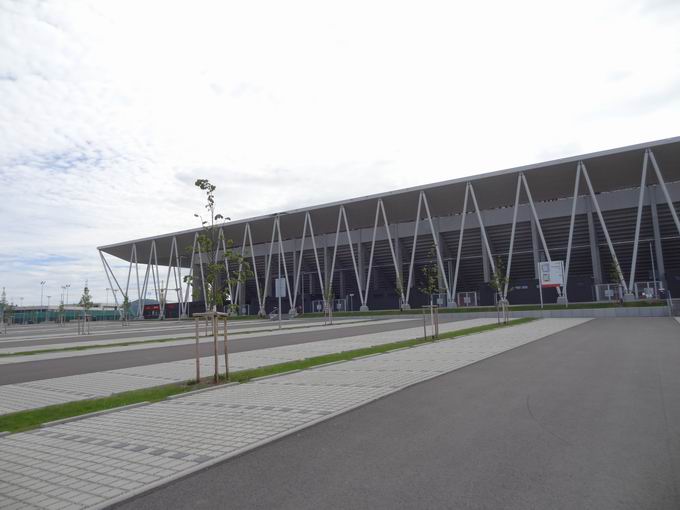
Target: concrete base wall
[{"x": 628, "y": 311}]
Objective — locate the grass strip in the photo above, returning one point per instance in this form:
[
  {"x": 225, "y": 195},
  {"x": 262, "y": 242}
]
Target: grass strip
[
  {"x": 26, "y": 420},
  {"x": 155, "y": 341}
]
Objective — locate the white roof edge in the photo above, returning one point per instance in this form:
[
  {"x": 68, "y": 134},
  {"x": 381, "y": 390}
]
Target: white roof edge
[{"x": 375, "y": 196}]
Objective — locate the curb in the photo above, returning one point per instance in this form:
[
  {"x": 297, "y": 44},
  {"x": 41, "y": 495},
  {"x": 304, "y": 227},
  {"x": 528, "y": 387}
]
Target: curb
[
  {"x": 275, "y": 375},
  {"x": 92, "y": 415},
  {"x": 202, "y": 390}
]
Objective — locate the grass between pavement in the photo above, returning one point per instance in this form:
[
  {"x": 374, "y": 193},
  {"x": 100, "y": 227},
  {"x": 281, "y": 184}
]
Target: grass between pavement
[
  {"x": 26, "y": 420},
  {"x": 155, "y": 341}
]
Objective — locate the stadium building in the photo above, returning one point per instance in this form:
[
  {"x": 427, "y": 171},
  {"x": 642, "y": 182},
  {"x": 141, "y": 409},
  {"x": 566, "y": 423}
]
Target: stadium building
[{"x": 610, "y": 216}]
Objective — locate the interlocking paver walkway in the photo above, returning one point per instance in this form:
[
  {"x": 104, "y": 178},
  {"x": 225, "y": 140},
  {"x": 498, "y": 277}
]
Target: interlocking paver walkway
[
  {"x": 97, "y": 461},
  {"x": 35, "y": 394}
]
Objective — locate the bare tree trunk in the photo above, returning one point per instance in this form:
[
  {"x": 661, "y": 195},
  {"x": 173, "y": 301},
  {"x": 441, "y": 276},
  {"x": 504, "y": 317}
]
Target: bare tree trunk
[{"x": 432, "y": 315}]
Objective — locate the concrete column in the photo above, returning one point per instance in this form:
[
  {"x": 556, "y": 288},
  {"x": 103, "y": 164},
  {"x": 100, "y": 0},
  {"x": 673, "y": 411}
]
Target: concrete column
[
  {"x": 326, "y": 261},
  {"x": 658, "y": 248},
  {"x": 399, "y": 253},
  {"x": 444, "y": 252},
  {"x": 485, "y": 262},
  {"x": 295, "y": 265},
  {"x": 361, "y": 264},
  {"x": 594, "y": 248},
  {"x": 242, "y": 294},
  {"x": 449, "y": 267},
  {"x": 267, "y": 284},
  {"x": 341, "y": 277},
  {"x": 534, "y": 246}
]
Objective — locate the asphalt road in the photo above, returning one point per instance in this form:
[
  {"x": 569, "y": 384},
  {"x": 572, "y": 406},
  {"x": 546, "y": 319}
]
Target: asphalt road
[
  {"x": 587, "y": 418},
  {"x": 58, "y": 367},
  {"x": 114, "y": 331}
]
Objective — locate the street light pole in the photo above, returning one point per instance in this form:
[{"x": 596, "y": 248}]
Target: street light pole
[{"x": 42, "y": 288}]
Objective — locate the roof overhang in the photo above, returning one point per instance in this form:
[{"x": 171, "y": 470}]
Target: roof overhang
[{"x": 609, "y": 170}]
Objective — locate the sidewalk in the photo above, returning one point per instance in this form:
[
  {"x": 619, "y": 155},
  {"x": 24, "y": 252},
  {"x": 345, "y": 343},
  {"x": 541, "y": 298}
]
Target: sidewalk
[
  {"x": 97, "y": 461},
  {"x": 45, "y": 392}
]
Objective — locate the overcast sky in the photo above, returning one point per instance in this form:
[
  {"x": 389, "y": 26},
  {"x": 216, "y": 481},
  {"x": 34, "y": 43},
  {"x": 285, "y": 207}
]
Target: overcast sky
[{"x": 109, "y": 110}]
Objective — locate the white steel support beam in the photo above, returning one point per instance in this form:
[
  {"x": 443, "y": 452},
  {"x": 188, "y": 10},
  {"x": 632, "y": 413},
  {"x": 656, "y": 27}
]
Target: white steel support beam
[
  {"x": 351, "y": 248},
  {"x": 481, "y": 226},
  {"x": 107, "y": 266},
  {"x": 512, "y": 237},
  {"x": 267, "y": 273},
  {"x": 127, "y": 283},
  {"x": 252, "y": 256},
  {"x": 460, "y": 242},
  {"x": 364, "y": 298},
  {"x": 299, "y": 267},
  {"x": 200, "y": 265},
  {"x": 285, "y": 265},
  {"x": 413, "y": 249},
  {"x": 316, "y": 257},
  {"x": 335, "y": 247},
  {"x": 106, "y": 270},
  {"x": 240, "y": 268},
  {"x": 538, "y": 223},
  {"x": 669, "y": 201},
  {"x": 191, "y": 274},
  {"x": 222, "y": 240},
  {"x": 397, "y": 269},
  {"x": 622, "y": 280},
  {"x": 535, "y": 215},
  {"x": 574, "y": 201},
  {"x": 638, "y": 221},
  {"x": 156, "y": 277},
  {"x": 435, "y": 239}
]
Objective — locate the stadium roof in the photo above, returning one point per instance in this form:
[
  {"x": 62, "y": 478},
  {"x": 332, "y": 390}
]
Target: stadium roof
[{"x": 609, "y": 170}]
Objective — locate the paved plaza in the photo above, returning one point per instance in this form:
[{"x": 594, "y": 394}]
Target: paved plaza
[
  {"x": 96, "y": 461},
  {"x": 35, "y": 394}
]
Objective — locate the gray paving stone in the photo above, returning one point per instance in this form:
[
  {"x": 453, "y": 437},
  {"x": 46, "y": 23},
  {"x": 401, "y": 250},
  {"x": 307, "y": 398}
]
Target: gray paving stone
[{"x": 175, "y": 437}]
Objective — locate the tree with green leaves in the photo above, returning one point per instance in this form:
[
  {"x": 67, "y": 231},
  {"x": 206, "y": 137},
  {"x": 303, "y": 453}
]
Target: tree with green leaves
[
  {"x": 430, "y": 285},
  {"x": 210, "y": 240},
  {"x": 125, "y": 309},
  {"x": 3, "y": 306},
  {"x": 61, "y": 311},
  {"x": 86, "y": 299},
  {"x": 497, "y": 282}
]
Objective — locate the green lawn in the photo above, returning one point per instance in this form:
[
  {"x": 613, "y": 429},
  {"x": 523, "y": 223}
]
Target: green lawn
[{"x": 25, "y": 420}]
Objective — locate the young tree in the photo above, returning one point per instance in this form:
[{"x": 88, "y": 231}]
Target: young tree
[
  {"x": 214, "y": 278},
  {"x": 61, "y": 312},
  {"x": 86, "y": 299},
  {"x": 125, "y": 309},
  {"x": 497, "y": 282},
  {"x": 3, "y": 306},
  {"x": 209, "y": 241},
  {"x": 431, "y": 283}
]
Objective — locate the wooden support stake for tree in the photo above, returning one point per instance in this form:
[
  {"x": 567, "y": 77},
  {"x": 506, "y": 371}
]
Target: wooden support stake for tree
[
  {"x": 198, "y": 363},
  {"x": 226, "y": 352},
  {"x": 213, "y": 320}
]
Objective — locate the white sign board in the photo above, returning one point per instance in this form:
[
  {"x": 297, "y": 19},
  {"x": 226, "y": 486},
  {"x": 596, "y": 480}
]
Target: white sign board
[
  {"x": 551, "y": 274},
  {"x": 280, "y": 287}
]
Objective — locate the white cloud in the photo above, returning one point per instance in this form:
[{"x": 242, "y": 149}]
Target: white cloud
[{"x": 110, "y": 110}]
